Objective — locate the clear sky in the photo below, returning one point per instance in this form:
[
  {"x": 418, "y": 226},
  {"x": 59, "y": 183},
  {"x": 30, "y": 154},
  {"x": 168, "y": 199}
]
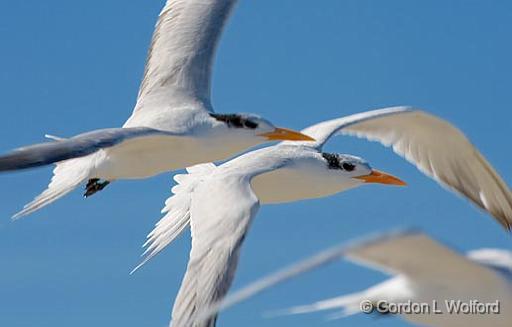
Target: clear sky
[{"x": 71, "y": 66}]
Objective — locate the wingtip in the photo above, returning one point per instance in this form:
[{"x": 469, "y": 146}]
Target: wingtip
[
  {"x": 53, "y": 137},
  {"x": 142, "y": 263},
  {"x": 18, "y": 215},
  {"x": 137, "y": 268}
]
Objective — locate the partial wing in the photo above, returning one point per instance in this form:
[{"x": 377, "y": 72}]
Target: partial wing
[
  {"x": 349, "y": 305},
  {"x": 406, "y": 253},
  {"x": 75, "y": 147},
  {"x": 177, "y": 207},
  {"x": 318, "y": 260},
  {"x": 323, "y": 131},
  {"x": 435, "y": 147},
  {"x": 180, "y": 57},
  {"x": 497, "y": 259},
  {"x": 418, "y": 256},
  {"x": 221, "y": 212},
  {"x": 177, "y": 211}
]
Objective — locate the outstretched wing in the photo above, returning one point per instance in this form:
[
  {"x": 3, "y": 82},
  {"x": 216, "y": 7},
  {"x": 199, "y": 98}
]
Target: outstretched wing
[
  {"x": 178, "y": 67},
  {"x": 79, "y": 146},
  {"x": 418, "y": 256},
  {"x": 408, "y": 253},
  {"x": 434, "y": 146},
  {"x": 318, "y": 260},
  {"x": 220, "y": 214}
]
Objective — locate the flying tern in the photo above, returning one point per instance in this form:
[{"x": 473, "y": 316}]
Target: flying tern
[
  {"x": 431, "y": 284},
  {"x": 173, "y": 124},
  {"x": 436, "y": 147},
  {"x": 221, "y": 207}
]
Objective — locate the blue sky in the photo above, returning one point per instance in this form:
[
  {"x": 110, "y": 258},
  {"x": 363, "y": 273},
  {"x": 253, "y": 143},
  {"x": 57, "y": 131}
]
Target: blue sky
[{"x": 71, "y": 66}]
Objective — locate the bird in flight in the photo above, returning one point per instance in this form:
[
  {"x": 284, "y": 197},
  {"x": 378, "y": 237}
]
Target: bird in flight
[
  {"x": 221, "y": 207},
  {"x": 173, "y": 124},
  {"x": 422, "y": 270},
  {"x": 300, "y": 170}
]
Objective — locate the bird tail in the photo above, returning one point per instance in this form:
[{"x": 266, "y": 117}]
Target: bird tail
[
  {"x": 176, "y": 210},
  {"x": 67, "y": 175}
]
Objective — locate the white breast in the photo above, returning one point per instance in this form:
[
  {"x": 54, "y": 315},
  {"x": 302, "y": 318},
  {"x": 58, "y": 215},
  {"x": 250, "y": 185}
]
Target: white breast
[{"x": 298, "y": 183}]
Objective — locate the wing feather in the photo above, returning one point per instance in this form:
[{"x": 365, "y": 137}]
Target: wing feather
[
  {"x": 435, "y": 147},
  {"x": 218, "y": 231},
  {"x": 180, "y": 57},
  {"x": 78, "y": 146}
]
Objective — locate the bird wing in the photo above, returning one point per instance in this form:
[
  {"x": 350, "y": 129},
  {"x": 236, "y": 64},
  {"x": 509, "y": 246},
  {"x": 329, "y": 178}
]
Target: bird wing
[
  {"x": 497, "y": 259},
  {"x": 75, "y": 147},
  {"x": 222, "y": 207},
  {"x": 177, "y": 206},
  {"x": 180, "y": 57},
  {"x": 176, "y": 210},
  {"x": 416, "y": 255},
  {"x": 313, "y": 262},
  {"x": 408, "y": 253},
  {"x": 220, "y": 214},
  {"x": 435, "y": 147}
]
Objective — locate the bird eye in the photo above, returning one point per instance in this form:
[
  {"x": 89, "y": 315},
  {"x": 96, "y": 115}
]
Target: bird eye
[
  {"x": 250, "y": 124},
  {"x": 348, "y": 166}
]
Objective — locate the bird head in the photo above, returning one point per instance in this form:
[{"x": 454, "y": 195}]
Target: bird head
[
  {"x": 256, "y": 128},
  {"x": 358, "y": 170}
]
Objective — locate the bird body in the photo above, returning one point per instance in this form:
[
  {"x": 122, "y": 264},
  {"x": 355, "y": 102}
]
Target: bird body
[{"x": 172, "y": 125}]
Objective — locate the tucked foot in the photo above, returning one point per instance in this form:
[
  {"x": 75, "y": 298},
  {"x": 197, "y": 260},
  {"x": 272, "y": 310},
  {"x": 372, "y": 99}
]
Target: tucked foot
[{"x": 94, "y": 185}]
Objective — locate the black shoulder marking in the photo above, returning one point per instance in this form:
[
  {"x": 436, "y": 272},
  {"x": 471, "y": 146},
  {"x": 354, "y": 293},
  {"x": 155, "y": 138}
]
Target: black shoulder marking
[
  {"x": 234, "y": 120},
  {"x": 333, "y": 160}
]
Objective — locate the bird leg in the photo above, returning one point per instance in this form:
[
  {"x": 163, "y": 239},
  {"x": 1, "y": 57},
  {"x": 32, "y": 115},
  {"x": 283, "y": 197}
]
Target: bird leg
[{"x": 94, "y": 185}]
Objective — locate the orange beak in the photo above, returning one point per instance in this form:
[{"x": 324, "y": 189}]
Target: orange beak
[
  {"x": 284, "y": 134},
  {"x": 381, "y": 178}
]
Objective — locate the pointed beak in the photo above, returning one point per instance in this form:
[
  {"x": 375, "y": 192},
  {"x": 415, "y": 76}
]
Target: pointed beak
[
  {"x": 284, "y": 134},
  {"x": 381, "y": 178}
]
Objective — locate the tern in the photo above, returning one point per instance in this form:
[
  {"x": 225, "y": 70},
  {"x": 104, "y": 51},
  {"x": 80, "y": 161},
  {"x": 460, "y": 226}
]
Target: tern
[
  {"x": 221, "y": 207},
  {"x": 173, "y": 124},
  {"x": 300, "y": 170},
  {"x": 431, "y": 284}
]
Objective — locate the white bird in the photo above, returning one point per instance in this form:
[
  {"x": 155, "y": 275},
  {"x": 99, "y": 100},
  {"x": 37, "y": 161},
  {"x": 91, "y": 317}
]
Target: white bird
[
  {"x": 436, "y": 147},
  {"x": 431, "y": 284},
  {"x": 221, "y": 206},
  {"x": 173, "y": 124}
]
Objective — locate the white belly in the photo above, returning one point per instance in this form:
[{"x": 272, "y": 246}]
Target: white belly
[
  {"x": 288, "y": 185},
  {"x": 148, "y": 156}
]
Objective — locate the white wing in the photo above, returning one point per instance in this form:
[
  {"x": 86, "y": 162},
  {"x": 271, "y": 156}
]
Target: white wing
[
  {"x": 406, "y": 253},
  {"x": 498, "y": 259},
  {"x": 435, "y": 147},
  {"x": 222, "y": 207},
  {"x": 297, "y": 269},
  {"x": 177, "y": 207},
  {"x": 179, "y": 62},
  {"x": 220, "y": 214},
  {"x": 177, "y": 211}
]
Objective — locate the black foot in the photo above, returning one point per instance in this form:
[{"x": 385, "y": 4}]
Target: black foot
[{"x": 94, "y": 185}]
